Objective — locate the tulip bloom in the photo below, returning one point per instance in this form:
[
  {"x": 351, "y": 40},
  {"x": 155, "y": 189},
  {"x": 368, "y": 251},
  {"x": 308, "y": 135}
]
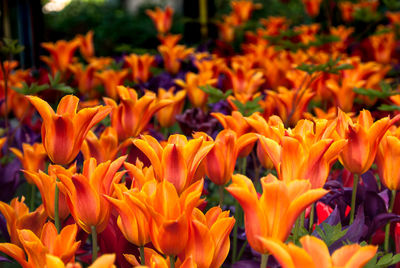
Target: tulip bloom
[
  {"x": 304, "y": 156},
  {"x": 140, "y": 66},
  {"x": 104, "y": 261},
  {"x": 245, "y": 82},
  {"x": 61, "y": 245},
  {"x": 388, "y": 161},
  {"x": 312, "y": 7},
  {"x": 209, "y": 242},
  {"x": 86, "y": 45},
  {"x": 46, "y": 185},
  {"x": 176, "y": 162},
  {"x": 85, "y": 192},
  {"x": 166, "y": 115},
  {"x": 104, "y": 148},
  {"x": 274, "y": 213},
  {"x": 133, "y": 219},
  {"x": 111, "y": 79},
  {"x": 63, "y": 132},
  {"x": 192, "y": 84},
  {"x": 131, "y": 116},
  {"x": 139, "y": 174},
  {"x": 18, "y": 217},
  {"x": 243, "y": 9},
  {"x": 32, "y": 157},
  {"x": 221, "y": 160},
  {"x": 162, "y": 19},
  {"x": 363, "y": 139},
  {"x": 173, "y": 55},
  {"x": 152, "y": 259},
  {"x": 61, "y": 54},
  {"x": 315, "y": 254},
  {"x": 170, "y": 215}
]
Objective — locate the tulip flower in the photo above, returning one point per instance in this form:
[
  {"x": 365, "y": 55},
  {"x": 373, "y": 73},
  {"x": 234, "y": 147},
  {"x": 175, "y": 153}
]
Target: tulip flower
[
  {"x": 139, "y": 173},
  {"x": 131, "y": 116},
  {"x": 304, "y": 156},
  {"x": 314, "y": 253},
  {"x": 104, "y": 261},
  {"x": 173, "y": 55},
  {"x": 162, "y": 19},
  {"x": 111, "y": 79},
  {"x": 192, "y": 84},
  {"x": 312, "y": 7},
  {"x": 166, "y": 116},
  {"x": 46, "y": 185},
  {"x": 273, "y": 214},
  {"x": 18, "y": 217},
  {"x": 170, "y": 215},
  {"x": 243, "y": 9},
  {"x": 61, "y": 54},
  {"x": 221, "y": 160},
  {"x": 85, "y": 192},
  {"x": 387, "y": 160},
  {"x": 176, "y": 162},
  {"x": 85, "y": 77},
  {"x": 62, "y": 246},
  {"x": 32, "y": 157},
  {"x": 383, "y": 47},
  {"x": 86, "y": 45},
  {"x": 244, "y": 82},
  {"x": 104, "y": 148},
  {"x": 140, "y": 66},
  {"x": 64, "y": 132},
  {"x": 363, "y": 139},
  {"x": 133, "y": 219},
  {"x": 152, "y": 259},
  {"x": 209, "y": 242}
]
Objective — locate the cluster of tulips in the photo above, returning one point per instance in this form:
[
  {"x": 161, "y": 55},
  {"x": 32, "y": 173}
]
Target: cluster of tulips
[{"x": 278, "y": 135}]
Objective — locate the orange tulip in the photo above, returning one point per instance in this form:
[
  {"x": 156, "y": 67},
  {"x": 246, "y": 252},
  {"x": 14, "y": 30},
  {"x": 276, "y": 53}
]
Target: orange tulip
[
  {"x": 132, "y": 115},
  {"x": 209, "y": 242},
  {"x": 104, "y": 148},
  {"x": 86, "y": 45},
  {"x": 63, "y": 132},
  {"x": 363, "y": 139},
  {"x": 152, "y": 259},
  {"x": 46, "y": 185},
  {"x": 298, "y": 158},
  {"x": 111, "y": 79},
  {"x": 61, "y": 54},
  {"x": 139, "y": 174},
  {"x": 18, "y": 217},
  {"x": 133, "y": 219},
  {"x": 85, "y": 192},
  {"x": 170, "y": 215},
  {"x": 315, "y": 254},
  {"x": 388, "y": 160},
  {"x": 104, "y": 261},
  {"x": 85, "y": 77},
  {"x": 140, "y": 66},
  {"x": 61, "y": 245},
  {"x": 192, "y": 84},
  {"x": 32, "y": 158},
  {"x": 274, "y": 213},
  {"x": 176, "y": 162},
  {"x": 243, "y": 9},
  {"x": 312, "y": 7},
  {"x": 245, "y": 81},
  {"x": 166, "y": 115},
  {"x": 221, "y": 160},
  {"x": 173, "y": 55},
  {"x": 383, "y": 47},
  {"x": 162, "y": 19}
]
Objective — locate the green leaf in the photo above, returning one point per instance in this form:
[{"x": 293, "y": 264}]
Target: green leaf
[
  {"x": 385, "y": 260},
  {"x": 34, "y": 88},
  {"x": 215, "y": 94},
  {"x": 249, "y": 107},
  {"x": 330, "y": 233}
]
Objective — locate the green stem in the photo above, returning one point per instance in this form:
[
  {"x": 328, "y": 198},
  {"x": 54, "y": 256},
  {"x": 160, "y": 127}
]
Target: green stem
[
  {"x": 310, "y": 225},
  {"x": 56, "y": 201},
  {"x": 171, "y": 261},
  {"x": 241, "y": 251},
  {"x": 264, "y": 261},
  {"x": 235, "y": 232},
  {"x": 142, "y": 258},
  {"x": 302, "y": 217},
  {"x": 353, "y": 198},
  {"x": 387, "y": 228},
  {"x": 243, "y": 165},
  {"x": 94, "y": 243},
  {"x": 221, "y": 195},
  {"x": 32, "y": 197},
  {"x": 296, "y": 230}
]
